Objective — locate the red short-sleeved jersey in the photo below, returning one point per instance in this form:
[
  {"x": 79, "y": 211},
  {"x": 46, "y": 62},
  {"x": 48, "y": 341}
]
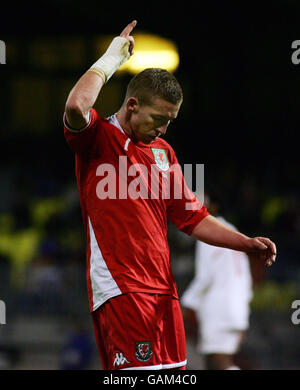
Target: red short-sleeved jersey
[{"x": 125, "y": 204}]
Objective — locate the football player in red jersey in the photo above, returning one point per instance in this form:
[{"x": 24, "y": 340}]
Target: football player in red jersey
[{"x": 132, "y": 293}]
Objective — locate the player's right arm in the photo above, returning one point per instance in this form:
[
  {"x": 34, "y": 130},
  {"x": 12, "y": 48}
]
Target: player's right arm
[
  {"x": 81, "y": 99},
  {"x": 85, "y": 92}
]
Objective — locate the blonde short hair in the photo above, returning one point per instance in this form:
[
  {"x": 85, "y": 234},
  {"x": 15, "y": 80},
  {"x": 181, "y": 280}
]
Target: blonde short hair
[{"x": 154, "y": 82}]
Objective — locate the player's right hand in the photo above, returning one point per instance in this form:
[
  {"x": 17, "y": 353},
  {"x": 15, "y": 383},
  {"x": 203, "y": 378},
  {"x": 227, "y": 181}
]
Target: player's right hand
[
  {"x": 119, "y": 51},
  {"x": 126, "y": 34}
]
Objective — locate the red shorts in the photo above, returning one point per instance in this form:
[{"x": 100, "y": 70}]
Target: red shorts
[{"x": 140, "y": 331}]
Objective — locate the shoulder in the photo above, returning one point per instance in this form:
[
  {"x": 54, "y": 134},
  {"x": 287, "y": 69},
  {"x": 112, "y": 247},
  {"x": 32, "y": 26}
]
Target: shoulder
[{"x": 105, "y": 125}]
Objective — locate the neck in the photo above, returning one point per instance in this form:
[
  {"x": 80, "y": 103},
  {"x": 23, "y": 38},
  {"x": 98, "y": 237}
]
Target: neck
[{"x": 123, "y": 119}]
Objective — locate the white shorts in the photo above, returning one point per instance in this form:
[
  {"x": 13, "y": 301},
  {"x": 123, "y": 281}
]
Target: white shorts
[{"x": 219, "y": 341}]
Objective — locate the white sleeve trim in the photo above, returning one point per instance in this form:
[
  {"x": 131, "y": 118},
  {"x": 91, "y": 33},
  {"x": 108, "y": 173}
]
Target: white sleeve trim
[{"x": 76, "y": 130}]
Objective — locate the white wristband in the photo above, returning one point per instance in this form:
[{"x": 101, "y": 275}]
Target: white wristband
[{"x": 116, "y": 54}]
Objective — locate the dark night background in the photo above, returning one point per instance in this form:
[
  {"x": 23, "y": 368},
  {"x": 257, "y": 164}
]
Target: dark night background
[{"x": 240, "y": 117}]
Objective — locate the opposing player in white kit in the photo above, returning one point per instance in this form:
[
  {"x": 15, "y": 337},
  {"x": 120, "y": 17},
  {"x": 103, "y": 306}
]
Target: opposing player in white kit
[{"x": 219, "y": 295}]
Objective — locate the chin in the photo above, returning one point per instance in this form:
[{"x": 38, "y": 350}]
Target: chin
[{"x": 145, "y": 140}]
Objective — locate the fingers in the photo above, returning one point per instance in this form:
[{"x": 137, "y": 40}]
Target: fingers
[
  {"x": 270, "y": 259},
  {"x": 126, "y": 34},
  {"x": 270, "y": 250},
  {"x": 270, "y": 245},
  {"x": 131, "y": 45},
  {"x": 127, "y": 30}
]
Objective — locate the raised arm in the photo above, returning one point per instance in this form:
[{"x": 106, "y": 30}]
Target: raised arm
[
  {"x": 85, "y": 92},
  {"x": 213, "y": 232}
]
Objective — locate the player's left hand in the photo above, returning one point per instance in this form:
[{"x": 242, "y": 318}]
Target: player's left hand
[{"x": 264, "y": 249}]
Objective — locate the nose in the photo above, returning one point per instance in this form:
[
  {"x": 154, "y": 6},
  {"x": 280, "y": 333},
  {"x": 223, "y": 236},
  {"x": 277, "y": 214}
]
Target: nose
[{"x": 162, "y": 129}]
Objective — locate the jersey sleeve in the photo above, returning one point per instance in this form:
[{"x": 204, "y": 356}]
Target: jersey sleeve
[
  {"x": 184, "y": 211},
  {"x": 85, "y": 139}
]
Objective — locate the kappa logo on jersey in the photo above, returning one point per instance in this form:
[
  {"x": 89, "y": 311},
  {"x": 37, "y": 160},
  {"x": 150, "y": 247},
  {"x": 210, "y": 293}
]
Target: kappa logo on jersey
[
  {"x": 161, "y": 159},
  {"x": 120, "y": 359},
  {"x": 143, "y": 351}
]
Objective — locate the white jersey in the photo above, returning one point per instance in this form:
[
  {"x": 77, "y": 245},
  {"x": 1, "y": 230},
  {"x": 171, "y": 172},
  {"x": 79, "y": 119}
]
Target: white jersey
[{"x": 222, "y": 287}]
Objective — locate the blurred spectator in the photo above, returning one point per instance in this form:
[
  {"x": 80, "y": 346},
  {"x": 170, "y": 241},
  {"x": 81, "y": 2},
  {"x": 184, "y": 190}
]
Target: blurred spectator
[
  {"x": 77, "y": 351},
  {"x": 18, "y": 242},
  {"x": 44, "y": 281},
  {"x": 9, "y": 357}
]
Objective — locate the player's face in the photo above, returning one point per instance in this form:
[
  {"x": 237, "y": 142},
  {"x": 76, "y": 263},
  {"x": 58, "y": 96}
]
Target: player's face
[{"x": 151, "y": 121}]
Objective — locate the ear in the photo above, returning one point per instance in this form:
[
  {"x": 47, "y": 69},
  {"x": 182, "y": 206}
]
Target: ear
[{"x": 132, "y": 104}]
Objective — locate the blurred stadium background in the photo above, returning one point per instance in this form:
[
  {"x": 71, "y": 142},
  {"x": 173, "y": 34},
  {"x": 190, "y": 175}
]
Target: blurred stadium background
[{"x": 240, "y": 118}]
